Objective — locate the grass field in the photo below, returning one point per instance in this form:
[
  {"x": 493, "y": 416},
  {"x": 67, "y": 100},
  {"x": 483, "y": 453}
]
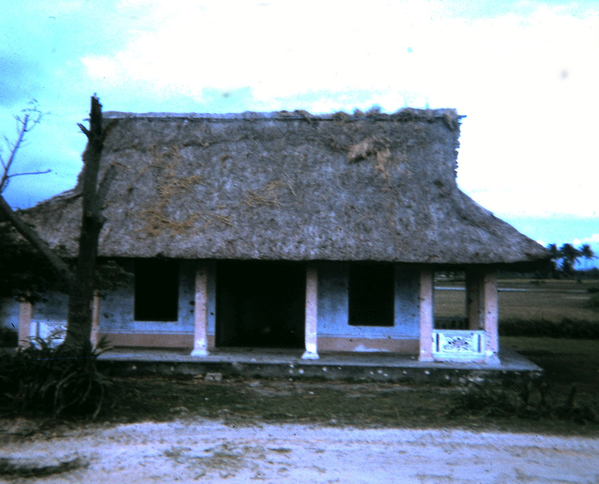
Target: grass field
[
  {"x": 566, "y": 361},
  {"x": 551, "y": 300}
]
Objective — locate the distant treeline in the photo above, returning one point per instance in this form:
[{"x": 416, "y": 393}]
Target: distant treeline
[
  {"x": 566, "y": 328},
  {"x": 565, "y": 258}
]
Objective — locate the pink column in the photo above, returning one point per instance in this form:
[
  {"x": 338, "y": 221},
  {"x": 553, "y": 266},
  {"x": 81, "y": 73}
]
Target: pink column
[
  {"x": 427, "y": 315},
  {"x": 491, "y": 315},
  {"x": 311, "y": 352},
  {"x": 200, "y": 337},
  {"x": 25, "y": 315},
  {"x": 95, "y": 337}
]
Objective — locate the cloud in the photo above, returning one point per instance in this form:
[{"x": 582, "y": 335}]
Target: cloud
[
  {"x": 593, "y": 239},
  {"x": 543, "y": 198},
  {"x": 279, "y": 50},
  {"x": 288, "y": 48},
  {"x": 520, "y": 72}
]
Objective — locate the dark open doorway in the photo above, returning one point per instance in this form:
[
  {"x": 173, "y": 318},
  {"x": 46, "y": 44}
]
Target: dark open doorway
[{"x": 260, "y": 304}]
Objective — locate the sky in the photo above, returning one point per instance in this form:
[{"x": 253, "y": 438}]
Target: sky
[{"x": 524, "y": 73}]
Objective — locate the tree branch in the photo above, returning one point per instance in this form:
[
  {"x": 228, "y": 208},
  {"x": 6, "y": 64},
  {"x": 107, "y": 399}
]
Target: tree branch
[
  {"x": 31, "y": 173},
  {"x": 25, "y": 124},
  {"x": 38, "y": 243},
  {"x": 13, "y": 152},
  {"x": 86, "y": 131}
]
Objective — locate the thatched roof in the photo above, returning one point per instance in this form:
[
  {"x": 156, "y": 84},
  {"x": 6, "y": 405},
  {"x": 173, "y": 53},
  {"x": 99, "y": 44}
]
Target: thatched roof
[{"x": 289, "y": 186}]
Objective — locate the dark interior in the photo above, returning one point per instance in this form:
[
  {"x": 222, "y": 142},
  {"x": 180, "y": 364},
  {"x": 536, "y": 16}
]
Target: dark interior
[
  {"x": 371, "y": 294},
  {"x": 156, "y": 290},
  {"x": 260, "y": 304}
]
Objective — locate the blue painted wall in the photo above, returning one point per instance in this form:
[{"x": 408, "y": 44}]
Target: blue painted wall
[
  {"x": 53, "y": 306},
  {"x": 117, "y": 311},
  {"x": 9, "y": 313},
  {"x": 333, "y": 304}
]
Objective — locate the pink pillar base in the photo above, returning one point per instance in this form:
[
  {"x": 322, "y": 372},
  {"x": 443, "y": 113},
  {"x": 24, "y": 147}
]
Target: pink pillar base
[
  {"x": 426, "y": 315},
  {"x": 311, "y": 342},
  {"x": 200, "y": 337}
]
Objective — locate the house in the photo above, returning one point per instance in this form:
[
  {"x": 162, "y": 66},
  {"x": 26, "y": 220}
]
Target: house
[{"x": 288, "y": 230}]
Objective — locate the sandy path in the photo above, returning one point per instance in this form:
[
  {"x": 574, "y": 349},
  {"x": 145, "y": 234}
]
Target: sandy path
[{"x": 207, "y": 451}]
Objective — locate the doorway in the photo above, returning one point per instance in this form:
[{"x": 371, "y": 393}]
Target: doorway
[{"x": 260, "y": 304}]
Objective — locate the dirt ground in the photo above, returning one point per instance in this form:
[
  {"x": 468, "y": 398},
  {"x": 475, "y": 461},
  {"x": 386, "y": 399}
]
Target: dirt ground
[
  {"x": 160, "y": 429},
  {"x": 196, "y": 450}
]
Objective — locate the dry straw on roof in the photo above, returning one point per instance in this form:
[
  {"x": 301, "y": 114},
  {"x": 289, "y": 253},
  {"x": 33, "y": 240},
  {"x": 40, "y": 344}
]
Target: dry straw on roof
[{"x": 290, "y": 186}]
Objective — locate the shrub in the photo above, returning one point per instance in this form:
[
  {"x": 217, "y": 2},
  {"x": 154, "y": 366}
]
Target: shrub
[
  {"x": 594, "y": 301},
  {"x": 523, "y": 400},
  {"x": 57, "y": 381},
  {"x": 566, "y": 328},
  {"x": 8, "y": 338}
]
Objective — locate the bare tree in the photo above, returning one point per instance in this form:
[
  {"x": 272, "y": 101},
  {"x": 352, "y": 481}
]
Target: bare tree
[
  {"x": 81, "y": 283},
  {"x": 30, "y": 117}
]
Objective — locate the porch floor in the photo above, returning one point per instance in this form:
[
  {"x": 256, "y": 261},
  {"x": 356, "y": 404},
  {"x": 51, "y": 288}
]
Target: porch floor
[{"x": 287, "y": 363}]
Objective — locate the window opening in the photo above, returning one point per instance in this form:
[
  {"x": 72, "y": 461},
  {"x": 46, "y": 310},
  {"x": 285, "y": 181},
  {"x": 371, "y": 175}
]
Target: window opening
[
  {"x": 450, "y": 300},
  {"x": 371, "y": 295},
  {"x": 156, "y": 290}
]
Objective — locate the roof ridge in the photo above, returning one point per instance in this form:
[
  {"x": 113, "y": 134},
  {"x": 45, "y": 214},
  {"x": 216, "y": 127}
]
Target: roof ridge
[{"x": 402, "y": 114}]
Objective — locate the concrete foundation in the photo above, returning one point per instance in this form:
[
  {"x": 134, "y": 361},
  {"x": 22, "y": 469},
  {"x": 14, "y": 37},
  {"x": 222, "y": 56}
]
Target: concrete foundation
[{"x": 264, "y": 363}]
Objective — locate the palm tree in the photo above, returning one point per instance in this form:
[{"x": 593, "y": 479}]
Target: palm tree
[
  {"x": 586, "y": 252},
  {"x": 555, "y": 257},
  {"x": 569, "y": 255}
]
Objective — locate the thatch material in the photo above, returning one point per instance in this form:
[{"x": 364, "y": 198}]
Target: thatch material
[{"x": 289, "y": 186}]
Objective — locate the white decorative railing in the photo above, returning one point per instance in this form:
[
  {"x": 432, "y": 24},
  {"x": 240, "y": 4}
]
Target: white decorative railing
[{"x": 463, "y": 345}]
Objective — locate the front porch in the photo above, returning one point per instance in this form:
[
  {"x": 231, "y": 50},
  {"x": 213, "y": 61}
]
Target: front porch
[
  {"x": 477, "y": 344},
  {"x": 288, "y": 363},
  {"x": 320, "y": 301}
]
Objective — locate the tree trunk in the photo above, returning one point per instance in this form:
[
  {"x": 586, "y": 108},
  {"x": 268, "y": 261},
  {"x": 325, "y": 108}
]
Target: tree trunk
[{"x": 81, "y": 293}]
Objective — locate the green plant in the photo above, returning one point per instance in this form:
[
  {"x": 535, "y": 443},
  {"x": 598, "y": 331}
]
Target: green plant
[
  {"x": 54, "y": 380},
  {"x": 8, "y": 338},
  {"x": 594, "y": 301},
  {"x": 497, "y": 401}
]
